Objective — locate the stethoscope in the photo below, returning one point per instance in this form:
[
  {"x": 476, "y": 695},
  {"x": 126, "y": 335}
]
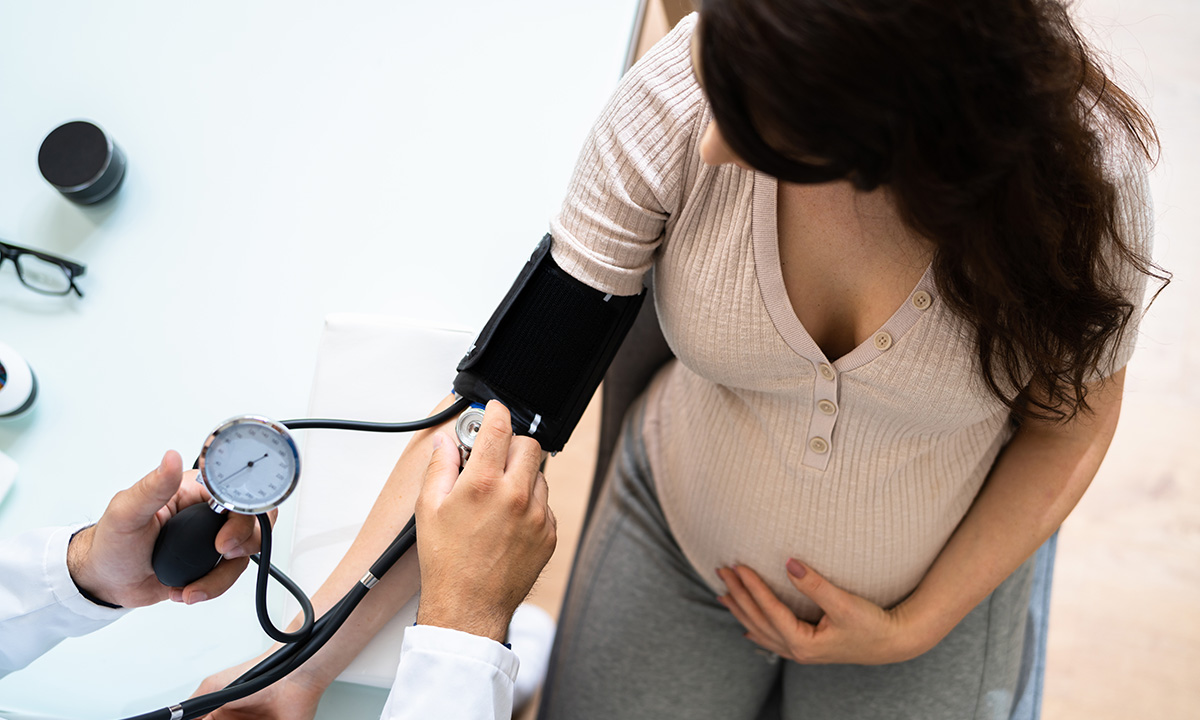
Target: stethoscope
[{"x": 250, "y": 464}]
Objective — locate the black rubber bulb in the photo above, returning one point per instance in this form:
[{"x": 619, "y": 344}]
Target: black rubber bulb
[{"x": 186, "y": 547}]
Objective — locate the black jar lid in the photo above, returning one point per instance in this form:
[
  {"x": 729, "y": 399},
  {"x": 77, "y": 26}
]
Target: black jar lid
[{"x": 82, "y": 162}]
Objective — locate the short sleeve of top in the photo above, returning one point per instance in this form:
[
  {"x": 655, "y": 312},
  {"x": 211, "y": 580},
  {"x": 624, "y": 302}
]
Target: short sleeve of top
[
  {"x": 1135, "y": 222},
  {"x": 629, "y": 178}
]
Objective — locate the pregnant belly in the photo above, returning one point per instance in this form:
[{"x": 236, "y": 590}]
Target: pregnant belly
[{"x": 737, "y": 495}]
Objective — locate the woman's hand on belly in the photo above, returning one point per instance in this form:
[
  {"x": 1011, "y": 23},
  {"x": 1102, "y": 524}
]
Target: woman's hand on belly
[{"x": 852, "y": 630}]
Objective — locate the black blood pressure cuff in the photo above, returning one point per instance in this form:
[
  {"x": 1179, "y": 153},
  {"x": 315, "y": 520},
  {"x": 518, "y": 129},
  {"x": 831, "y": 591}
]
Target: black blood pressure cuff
[{"x": 546, "y": 348}]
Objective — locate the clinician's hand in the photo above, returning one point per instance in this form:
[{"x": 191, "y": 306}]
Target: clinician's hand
[
  {"x": 483, "y": 536},
  {"x": 482, "y": 539},
  {"x": 111, "y": 559}
]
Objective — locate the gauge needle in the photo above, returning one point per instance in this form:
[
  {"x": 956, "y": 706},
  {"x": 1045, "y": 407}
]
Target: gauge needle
[{"x": 249, "y": 465}]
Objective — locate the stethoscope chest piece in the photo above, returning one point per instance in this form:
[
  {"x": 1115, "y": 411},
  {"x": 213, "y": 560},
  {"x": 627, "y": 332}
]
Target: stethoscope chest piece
[{"x": 466, "y": 429}]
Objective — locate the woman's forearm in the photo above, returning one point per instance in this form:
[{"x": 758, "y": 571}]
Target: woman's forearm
[
  {"x": 391, "y": 511},
  {"x": 1036, "y": 482}
]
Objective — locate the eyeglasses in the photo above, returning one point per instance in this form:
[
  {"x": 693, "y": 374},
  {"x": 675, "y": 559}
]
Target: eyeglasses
[{"x": 42, "y": 272}]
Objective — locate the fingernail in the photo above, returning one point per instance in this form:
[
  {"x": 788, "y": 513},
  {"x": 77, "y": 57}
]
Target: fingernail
[
  {"x": 176, "y": 595},
  {"x": 197, "y": 597},
  {"x": 438, "y": 441},
  {"x": 233, "y": 553},
  {"x": 795, "y": 569}
]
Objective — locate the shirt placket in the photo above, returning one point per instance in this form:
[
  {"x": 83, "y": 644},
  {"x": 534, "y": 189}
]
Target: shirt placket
[{"x": 823, "y": 417}]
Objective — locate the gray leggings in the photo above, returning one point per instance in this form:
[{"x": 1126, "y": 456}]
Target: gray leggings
[{"x": 642, "y": 636}]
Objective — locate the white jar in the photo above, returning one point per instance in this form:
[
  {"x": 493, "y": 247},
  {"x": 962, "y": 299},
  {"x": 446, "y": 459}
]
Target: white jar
[{"x": 18, "y": 385}]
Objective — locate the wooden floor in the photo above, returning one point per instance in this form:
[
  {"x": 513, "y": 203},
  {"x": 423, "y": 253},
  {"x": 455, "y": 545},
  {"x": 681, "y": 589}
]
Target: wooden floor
[{"x": 1125, "y": 622}]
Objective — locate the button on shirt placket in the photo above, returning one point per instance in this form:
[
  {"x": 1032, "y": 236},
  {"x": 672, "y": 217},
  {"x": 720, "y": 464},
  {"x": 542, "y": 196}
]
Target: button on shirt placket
[
  {"x": 826, "y": 408},
  {"x": 824, "y": 417}
]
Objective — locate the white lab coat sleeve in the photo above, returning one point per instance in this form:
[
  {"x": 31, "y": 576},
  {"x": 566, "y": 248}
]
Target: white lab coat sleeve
[
  {"x": 39, "y": 603},
  {"x": 447, "y": 673}
]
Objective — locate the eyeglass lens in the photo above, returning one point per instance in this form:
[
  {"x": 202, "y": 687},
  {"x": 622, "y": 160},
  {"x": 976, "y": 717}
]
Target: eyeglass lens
[{"x": 43, "y": 276}]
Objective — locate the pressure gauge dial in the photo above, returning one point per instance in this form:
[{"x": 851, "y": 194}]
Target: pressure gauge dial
[{"x": 250, "y": 464}]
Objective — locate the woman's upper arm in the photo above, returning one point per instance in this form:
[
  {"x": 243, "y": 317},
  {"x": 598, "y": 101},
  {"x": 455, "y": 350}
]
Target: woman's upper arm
[
  {"x": 629, "y": 177},
  {"x": 1076, "y": 447}
]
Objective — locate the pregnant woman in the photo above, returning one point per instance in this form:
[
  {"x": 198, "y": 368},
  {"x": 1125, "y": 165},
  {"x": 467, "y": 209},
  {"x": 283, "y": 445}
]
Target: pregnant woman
[{"x": 899, "y": 249}]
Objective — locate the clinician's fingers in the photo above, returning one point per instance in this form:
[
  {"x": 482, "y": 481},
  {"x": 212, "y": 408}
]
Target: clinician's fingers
[
  {"x": 216, "y": 582},
  {"x": 131, "y": 509},
  {"x": 524, "y": 458},
  {"x": 191, "y": 491},
  {"x": 442, "y": 472},
  {"x": 541, "y": 491},
  {"x": 541, "y": 499},
  {"x": 254, "y": 543},
  {"x": 238, "y": 537},
  {"x": 491, "y": 443}
]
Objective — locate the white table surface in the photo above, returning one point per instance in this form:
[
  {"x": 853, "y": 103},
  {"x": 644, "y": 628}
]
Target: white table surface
[{"x": 286, "y": 160}]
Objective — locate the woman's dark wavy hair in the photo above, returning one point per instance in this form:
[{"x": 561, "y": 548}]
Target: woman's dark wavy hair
[{"x": 991, "y": 123}]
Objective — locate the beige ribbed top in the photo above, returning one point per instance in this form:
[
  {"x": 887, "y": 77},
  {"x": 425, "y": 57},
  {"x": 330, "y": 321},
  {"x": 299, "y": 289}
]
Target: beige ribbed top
[{"x": 761, "y": 448}]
